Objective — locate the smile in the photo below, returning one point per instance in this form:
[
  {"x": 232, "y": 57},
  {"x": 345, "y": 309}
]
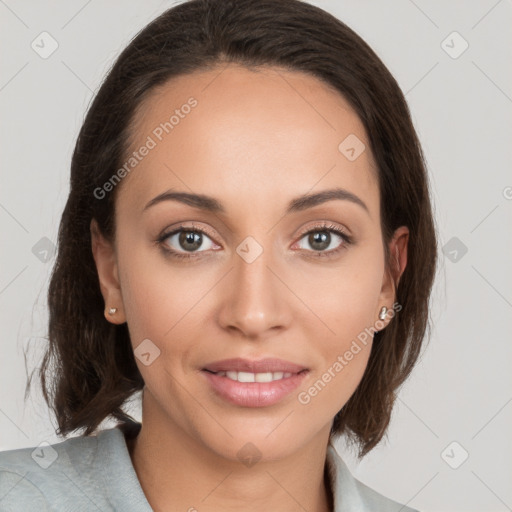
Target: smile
[
  {"x": 255, "y": 377},
  {"x": 247, "y": 389}
]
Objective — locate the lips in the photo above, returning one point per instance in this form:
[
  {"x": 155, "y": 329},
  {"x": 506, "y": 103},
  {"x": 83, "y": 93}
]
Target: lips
[
  {"x": 246, "y": 383},
  {"x": 268, "y": 365}
]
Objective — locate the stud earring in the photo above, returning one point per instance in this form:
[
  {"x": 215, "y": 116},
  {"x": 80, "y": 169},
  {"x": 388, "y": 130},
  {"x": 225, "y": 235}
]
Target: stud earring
[
  {"x": 112, "y": 311},
  {"x": 383, "y": 312}
]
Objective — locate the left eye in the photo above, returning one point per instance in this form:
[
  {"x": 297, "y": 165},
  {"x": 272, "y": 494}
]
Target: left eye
[{"x": 321, "y": 240}]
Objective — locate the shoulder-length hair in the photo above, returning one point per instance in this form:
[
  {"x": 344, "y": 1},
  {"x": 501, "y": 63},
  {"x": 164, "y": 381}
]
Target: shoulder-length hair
[{"x": 88, "y": 370}]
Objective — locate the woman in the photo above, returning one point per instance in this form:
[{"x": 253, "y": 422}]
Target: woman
[{"x": 249, "y": 240}]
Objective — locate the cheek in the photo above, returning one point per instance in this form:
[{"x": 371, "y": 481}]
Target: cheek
[
  {"x": 344, "y": 358},
  {"x": 343, "y": 298},
  {"x": 163, "y": 304},
  {"x": 344, "y": 303},
  {"x": 147, "y": 291}
]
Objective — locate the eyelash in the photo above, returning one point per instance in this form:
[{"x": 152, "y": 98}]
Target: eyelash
[{"x": 321, "y": 228}]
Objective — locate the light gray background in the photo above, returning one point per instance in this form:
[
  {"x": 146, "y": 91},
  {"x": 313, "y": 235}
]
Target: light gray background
[{"x": 461, "y": 390}]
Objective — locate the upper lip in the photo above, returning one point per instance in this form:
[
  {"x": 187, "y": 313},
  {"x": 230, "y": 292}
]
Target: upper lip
[{"x": 254, "y": 366}]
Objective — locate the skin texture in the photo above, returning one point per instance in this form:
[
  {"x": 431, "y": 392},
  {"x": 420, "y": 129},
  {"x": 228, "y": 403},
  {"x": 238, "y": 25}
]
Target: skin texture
[{"x": 256, "y": 140}]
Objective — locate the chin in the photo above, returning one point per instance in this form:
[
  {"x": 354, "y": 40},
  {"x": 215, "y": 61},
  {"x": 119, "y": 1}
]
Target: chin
[{"x": 250, "y": 439}]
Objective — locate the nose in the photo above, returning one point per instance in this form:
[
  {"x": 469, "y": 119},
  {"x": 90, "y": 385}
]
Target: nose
[{"x": 256, "y": 301}]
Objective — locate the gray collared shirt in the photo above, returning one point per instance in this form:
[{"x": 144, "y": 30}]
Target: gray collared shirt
[{"x": 95, "y": 473}]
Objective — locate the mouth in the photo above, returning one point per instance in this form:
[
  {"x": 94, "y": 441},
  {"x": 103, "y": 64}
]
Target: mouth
[
  {"x": 254, "y": 377},
  {"x": 247, "y": 370},
  {"x": 249, "y": 383}
]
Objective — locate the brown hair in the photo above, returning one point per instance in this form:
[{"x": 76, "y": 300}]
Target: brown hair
[{"x": 88, "y": 371}]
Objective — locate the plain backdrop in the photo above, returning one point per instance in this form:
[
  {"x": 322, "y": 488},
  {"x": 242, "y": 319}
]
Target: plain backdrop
[{"x": 449, "y": 446}]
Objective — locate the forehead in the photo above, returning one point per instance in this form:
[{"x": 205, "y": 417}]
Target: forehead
[{"x": 262, "y": 135}]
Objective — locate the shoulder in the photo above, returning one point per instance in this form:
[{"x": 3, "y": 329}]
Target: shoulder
[
  {"x": 48, "y": 474},
  {"x": 352, "y": 495}
]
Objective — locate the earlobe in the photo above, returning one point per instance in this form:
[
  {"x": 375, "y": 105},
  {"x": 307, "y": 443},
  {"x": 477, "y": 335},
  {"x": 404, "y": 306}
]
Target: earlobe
[{"x": 106, "y": 265}]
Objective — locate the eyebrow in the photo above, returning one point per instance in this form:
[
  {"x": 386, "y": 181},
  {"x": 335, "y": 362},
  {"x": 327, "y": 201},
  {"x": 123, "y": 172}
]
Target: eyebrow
[{"x": 300, "y": 203}]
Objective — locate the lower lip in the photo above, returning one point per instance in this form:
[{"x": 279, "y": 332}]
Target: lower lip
[{"x": 253, "y": 394}]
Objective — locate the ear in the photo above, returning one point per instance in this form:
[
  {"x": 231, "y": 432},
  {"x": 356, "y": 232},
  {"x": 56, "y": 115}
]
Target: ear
[
  {"x": 106, "y": 264},
  {"x": 398, "y": 262}
]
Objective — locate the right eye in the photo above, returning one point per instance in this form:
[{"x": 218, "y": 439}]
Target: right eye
[{"x": 183, "y": 240}]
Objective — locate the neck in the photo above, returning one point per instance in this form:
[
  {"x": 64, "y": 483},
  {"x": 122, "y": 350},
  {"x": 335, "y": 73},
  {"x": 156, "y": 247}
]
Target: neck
[{"x": 189, "y": 479}]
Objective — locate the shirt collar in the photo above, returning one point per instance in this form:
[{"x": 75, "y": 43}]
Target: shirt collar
[{"x": 344, "y": 487}]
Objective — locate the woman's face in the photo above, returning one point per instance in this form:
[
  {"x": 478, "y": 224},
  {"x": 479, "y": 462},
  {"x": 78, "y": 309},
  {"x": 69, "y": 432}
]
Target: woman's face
[{"x": 243, "y": 151}]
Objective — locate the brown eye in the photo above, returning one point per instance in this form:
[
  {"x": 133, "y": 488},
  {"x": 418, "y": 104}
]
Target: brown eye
[
  {"x": 319, "y": 240},
  {"x": 325, "y": 240},
  {"x": 188, "y": 240}
]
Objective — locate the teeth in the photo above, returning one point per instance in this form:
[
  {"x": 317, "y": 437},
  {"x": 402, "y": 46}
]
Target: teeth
[
  {"x": 255, "y": 377},
  {"x": 245, "y": 377},
  {"x": 268, "y": 377}
]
